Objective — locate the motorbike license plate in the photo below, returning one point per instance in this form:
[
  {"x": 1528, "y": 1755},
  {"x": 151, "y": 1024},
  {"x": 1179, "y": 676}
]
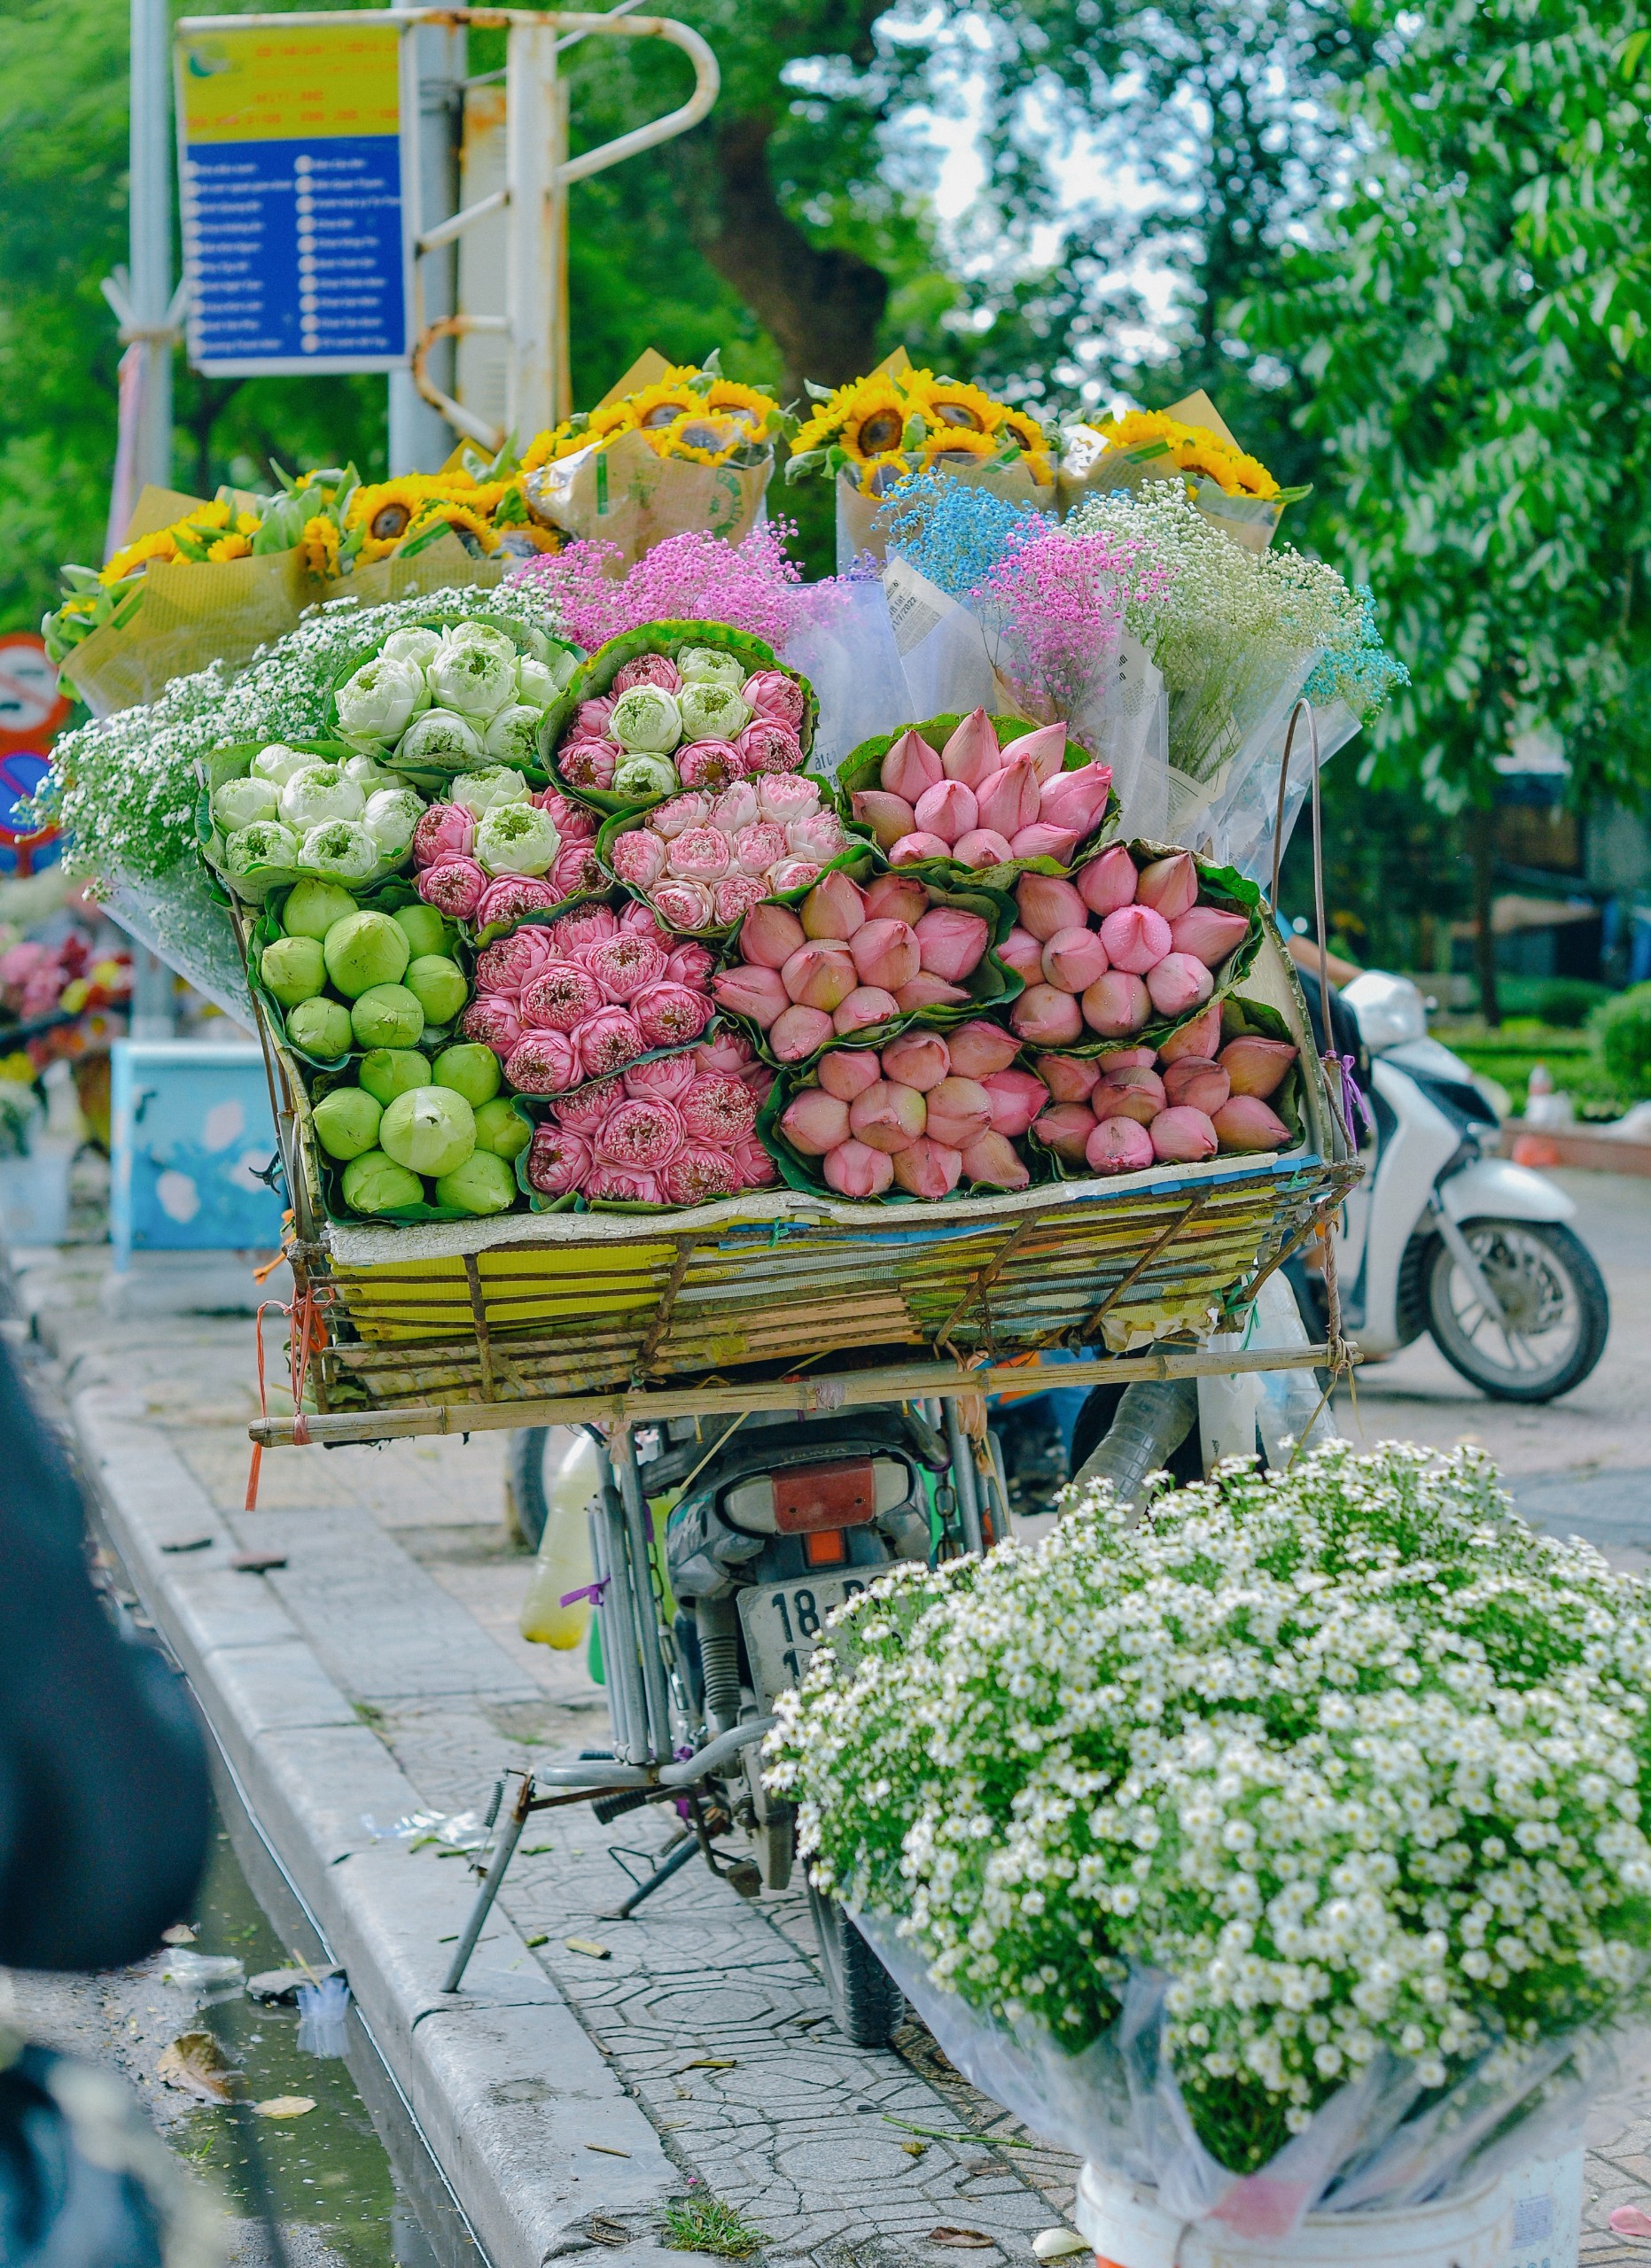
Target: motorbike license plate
[{"x": 784, "y": 1622}]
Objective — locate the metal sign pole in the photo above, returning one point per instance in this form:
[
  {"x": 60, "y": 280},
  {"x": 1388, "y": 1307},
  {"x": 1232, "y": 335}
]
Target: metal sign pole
[
  {"x": 420, "y": 438},
  {"x": 150, "y": 222}
]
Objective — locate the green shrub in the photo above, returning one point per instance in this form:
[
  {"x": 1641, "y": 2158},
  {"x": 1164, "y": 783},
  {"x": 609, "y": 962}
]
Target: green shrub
[
  {"x": 1567, "y": 1001},
  {"x": 1623, "y": 1030}
]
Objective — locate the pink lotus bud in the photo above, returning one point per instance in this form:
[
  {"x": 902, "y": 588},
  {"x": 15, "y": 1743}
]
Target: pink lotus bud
[
  {"x": 588, "y": 925},
  {"x": 1070, "y": 1078},
  {"x": 514, "y": 961},
  {"x": 576, "y": 868},
  {"x": 1119, "y": 1145},
  {"x": 1256, "y": 1066},
  {"x": 929, "y": 1169},
  {"x": 960, "y": 1112},
  {"x": 1048, "y": 906},
  {"x": 979, "y": 1049},
  {"x": 496, "y": 1023},
  {"x": 557, "y": 1161},
  {"x": 1045, "y": 750},
  {"x": 584, "y": 1110},
  {"x": 1047, "y": 1018},
  {"x": 590, "y": 719},
  {"x": 1179, "y": 983},
  {"x": 784, "y": 796},
  {"x": 889, "y": 817},
  {"x": 670, "y": 1015},
  {"x": 606, "y": 1042},
  {"x": 661, "y": 1078},
  {"x": 856, "y": 1170},
  {"x": 1077, "y": 799},
  {"x": 1017, "y": 1098},
  {"x": 588, "y": 764},
  {"x": 621, "y": 1185},
  {"x": 819, "y": 975},
  {"x": 543, "y": 1063},
  {"x": 896, "y": 898},
  {"x": 444, "y": 831},
  {"x": 572, "y": 820},
  {"x": 1024, "y": 953},
  {"x": 910, "y": 767},
  {"x": 735, "y": 808},
  {"x": 678, "y": 815},
  {"x": 866, "y": 1006},
  {"x": 685, "y": 905},
  {"x": 775, "y": 698},
  {"x": 1182, "y": 1137},
  {"x": 454, "y": 886},
  {"x": 647, "y": 668},
  {"x": 1208, "y": 934},
  {"x": 561, "y": 996},
  {"x": 1116, "y": 1004},
  {"x": 769, "y": 935},
  {"x": 797, "y": 1033},
  {"x": 982, "y": 846},
  {"x": 1202, "y": 1037},
  {"x": 759, "y": 846},
  {"x": 1008, "y": 800},
  {"x": 1139, "y": 1095},
  {"x": 1108, "y": 882},
  {"x": 846, "y": 1072},
  {"x": 1136, "y": 938},
  {"x": 819, "y": 836},
  {"x": 789, "y": 874},
  {"x": 709, "y": 765},
  {"x": 625, "y": 965},
  {"x": 814, "y": 1121},
  {"x": 734, "y": 897},
  {"x": 753, "y": 1165},
  {"x": 640, "y": 1134},
  {"x": 766, "y": 748},
  {"x": 971, "y": 755},
  {"x": 917, "y": 1059},
  {"x": 995, "y": 1161},
  {"x": 911, "y": 848},
  {"x": 1170, "y": 886},
  {"x": 947, "y": 810},
  {"x": 698, "y": 1174},
  {"x": 1066, "y": 1129},
  {"x": 699, "y": 854},
  {"x": 1073, "y": 959},
  {"x": 1042, "y": 841},
  {"x": 888, "y": 1116},
  {"x": 833, "y": 908},
  {"x": 512, "y": 897},
  {"x": 885, "y": 952},
  {"x": 730, "y": 1053},
  {"x": 925, "y": 990},
  {"x": 1199, "y": 1083}
]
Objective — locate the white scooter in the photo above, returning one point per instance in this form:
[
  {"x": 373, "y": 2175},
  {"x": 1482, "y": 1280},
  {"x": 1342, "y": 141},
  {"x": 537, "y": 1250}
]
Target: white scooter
[{"x": 1443, "y": 1236}]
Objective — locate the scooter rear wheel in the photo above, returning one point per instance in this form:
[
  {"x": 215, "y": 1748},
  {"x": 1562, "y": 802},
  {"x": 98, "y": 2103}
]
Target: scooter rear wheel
[
  {"x": 867, "y": 2004},
  {"x": 1555, "y": 1317}
]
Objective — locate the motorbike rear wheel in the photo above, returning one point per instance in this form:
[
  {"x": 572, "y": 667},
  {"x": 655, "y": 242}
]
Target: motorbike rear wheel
[
  {"x": 1556, "y": 1312},
  {"x": 527, "y": 1505},
  {"x": 867, "y": 2004}
]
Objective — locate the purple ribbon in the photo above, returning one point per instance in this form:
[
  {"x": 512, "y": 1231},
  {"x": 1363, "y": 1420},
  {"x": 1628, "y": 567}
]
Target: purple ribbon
[
  {"x": 591, "y": 1591},
  {"x": 1352, "y": 1097}
]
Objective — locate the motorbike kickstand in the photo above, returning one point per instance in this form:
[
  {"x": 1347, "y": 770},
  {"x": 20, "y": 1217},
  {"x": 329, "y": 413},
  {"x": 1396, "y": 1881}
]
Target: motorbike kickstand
[{"x": 678, "y": 1850}]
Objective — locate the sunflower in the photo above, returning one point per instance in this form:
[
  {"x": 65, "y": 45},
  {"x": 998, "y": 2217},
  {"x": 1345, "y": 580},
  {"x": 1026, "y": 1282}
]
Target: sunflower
[
  {"x": 705, "y": 439},
  {"x": 875, "y": 421},
  {"x": 757, "y": 412},
  {"x": 957, "y": 445},
  {"x": 653, "y": 406},
  {"x": 950, "y": 404},
  {"x": 233, "y": 546},
  {"x": 133, "y": 557},
  {"x": 385, "y": 510},
  {"x": 827, "y": 421},
  {"x": 1233, "y": 472},
  {"x": 1015, "y": 425},
  {"x": 1040, "y": 470},
  {"x": 879, "y": 476},
  {"x": 602, "y": 425},
  {"x": 318, "y": 547},
  {"x": 1138, "y": 426},
  {"x": 468, "y": 524}
]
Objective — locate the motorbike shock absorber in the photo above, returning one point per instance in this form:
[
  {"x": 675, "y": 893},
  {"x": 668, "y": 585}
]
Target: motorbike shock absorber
[{"x": 717, "y": 1621}]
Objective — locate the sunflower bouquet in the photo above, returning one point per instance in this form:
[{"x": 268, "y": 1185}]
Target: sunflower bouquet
[
  {"x": 421, "y": 532},
  {"x": 1233, "y": 490}
]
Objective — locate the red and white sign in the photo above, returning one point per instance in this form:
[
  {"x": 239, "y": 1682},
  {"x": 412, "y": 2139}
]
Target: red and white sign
[{"x": 31, "y": 706}]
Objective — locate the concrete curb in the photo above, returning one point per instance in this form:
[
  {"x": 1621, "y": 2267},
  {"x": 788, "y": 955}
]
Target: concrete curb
[{"x": 530, "y": 2125}]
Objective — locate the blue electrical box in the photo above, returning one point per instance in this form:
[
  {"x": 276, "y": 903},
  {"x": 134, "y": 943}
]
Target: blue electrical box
[{"x": 192, "y": 1134}]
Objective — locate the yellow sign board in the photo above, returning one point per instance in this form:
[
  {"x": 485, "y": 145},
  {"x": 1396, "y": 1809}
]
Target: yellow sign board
[{"x": 310, "y": 83}]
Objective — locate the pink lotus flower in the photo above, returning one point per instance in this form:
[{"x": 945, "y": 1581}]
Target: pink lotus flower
[
  {"x": 819, "y": 975},
  {"x": 542, "y": 1063},
  {"x": 1116, "y": 1004},
  {"x": 573, "y": 821},
  {"x": 1010, "y": 799},
  {"x": 753, "y": 1165},
  {"x": 1107, "y": 881},
  {"x": 1182, "y": 1137},
  {"x": 767, "y": 747},
  {"x": 514, "y": 961},
  {"x": 607, "y": 1040},
  {"x": 888, "y": 1116},
  {"x": 690, "y": 964},
  {"x": 896, "y": 898},
  {"x": 982, "y": 846},
  {"x": 1136, "y": 938},
  {"x": 698, "y": 1174},
  {"x": 1066, "y": 1128},
  {"x": 819, "y": 836},
  {"x": 585, "y": 925},
  {"x": 638, "y": 858},
  {"x": 590, "y": 764},
  {"x": 979, "y": 1049},
  {"x": 1024, "y": 953},
  {"x": 775, "y": 697},
  {"x": 791, "y": 875},
  {"x": 661, "y": 1078},
  {"x": 1116, "y": 1060},
  {"x": 736, "y": 808},
  {"x": 700, "y": 854},
  {"x": 833, "y": 908},
  {"x": 685, "y": 905},
  {"x": 513, "y": 896},
  {"x": 718, "y": 1109},
  {"x": 1202, "y": 1037},
  {"x": 959, "y": 1111},
  {"x": 670, "y": 1015},
  {"x": 1048, "y": 906},
  {"x": 910, "y": 767},
  {"x": 972, "y": 754},
  {"x": 949, "y": 809},
  {"x": 444, "y": 831},
  {"x": 759, "y": 846},
  {"x": 798, "y": 1032},
  {"x": 814, "y": 1121},
  {"x": 846, "y": 1072},
  {"x": 1077, "y": 799},
  {"x": 911, "y": 848},
  {"x": 1208, "y": 934},
  {"x": 1201, "y": 1084},
  {"x": 454, "y": 886},
  {"x": 752, "y": 990},
  {"x": 590, "y": 719},
  {"x": 728, "y": 1053},
  {"x": 925, "y": 990},
  {"x": 576, "y": 869},
  {"x": 494, "y": 1023},
  {"x": 854, "y": 1169},
  {"x": 929, "y": 1169},
  {"x": 625, "y": 965},
  {"x": 884, "y": 952},
  {"x": 917, "y": 1059},
  {"x": 786, "y": 796},
  {"x": 1047, "y": 1018},
  {"x": 1256, "y": 1066},
  {"x": 1042, "y": 841},
  {"x": 1072, "y": 960},
  {"x": 560, "y": 997},
  {"x": 1016, "y": 1098},
  {"x": 732, "y": 899},
  {"x": 1119, "y": 1145},
  {"x": 1045, "y": 750},
  {"x": 866, "y": 1007},
  {"x": 638, "y": 1135},
  {"x": 648, "y": 669},
  {"x": 1179, "y": 983},
  {"x": 557, "y": 1161},
  {"x": 584, "y": 1110},
  {"x": 770, "y": 934},
  {"x": 1170, "y": 886},
  {"x": 614, "y": 1185},
  {"x": 994, "y": 1162},
  {"x": 710, "y": 765},
  {"x": 1070, "y": 1078},
  {"x": 1139, "y": 1095},
  {"x": 679, "y": 813},
  {"x": 889, "y": 817}
]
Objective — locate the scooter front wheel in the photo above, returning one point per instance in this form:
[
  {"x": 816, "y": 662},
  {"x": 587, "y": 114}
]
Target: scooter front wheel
[
  {"x": 1555, "y": 1312},
  {"x": 867, "y": 2004}
]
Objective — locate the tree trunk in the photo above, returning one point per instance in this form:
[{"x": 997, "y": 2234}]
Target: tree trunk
[
  {"x": 199, "y": 418},
  {"x": 1481, "y": 828}
]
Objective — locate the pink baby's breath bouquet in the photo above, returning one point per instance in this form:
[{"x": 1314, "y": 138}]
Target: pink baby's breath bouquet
[{"x": 1054, "y": 608}]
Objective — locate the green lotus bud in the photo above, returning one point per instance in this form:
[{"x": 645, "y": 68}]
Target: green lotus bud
[
  {"x": 642, "y": 777},
  {"x": 365, "y": 950},
  {"x": 513, "y": 736},
  {"x": 438, "y": 741},
  {"x": 477, "y": 792},
  {"x": 321, "y": 1027},
  {"x": 646, "y": 717},
  {"x": 391, "y": 815},
  {"x": 476, "y": 679},
  {"x": 472, "y": 632},
  {"x": 277, "y": 763},
  {"x": 711, "y": 711},
  {"x": 483, "y": 1184},
  {"x": 537, "y": 683},
  {"x": 501, "y": 1128},
  {"x": 439, "y": 986},
  {"x": 428, "y": 931},
  {"x": 709, "y": 666},
  {"x": 471, "y": 1070},
  {"x": 386, "y": 1015},
  {"x": 341, "y": 849},
  {"x": 387, "y": 1072},
  {"x": 518, "y": 839},
  {"x": 376, "y": 705},
  {"x": 433, "y": 1130},
  {"x": 369, "y": 776},
  {"x": 320, "y": 792},
  {"x": 418, "y": 646},
  {"x": 292, "y": 968},
  {"x": 265, "y": 843},
  {"x": 237, "y": 802},
  {"x": 375, "y": 1184},
  {"x": 313, "y": 905},
  {"x": 346, "y": 1121}
]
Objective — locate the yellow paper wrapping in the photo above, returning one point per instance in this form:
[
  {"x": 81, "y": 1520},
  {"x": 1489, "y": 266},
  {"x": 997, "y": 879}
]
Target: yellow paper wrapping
[
  {"x": 443, "y": 565},
  {"x": 1090, "y": 468}
]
